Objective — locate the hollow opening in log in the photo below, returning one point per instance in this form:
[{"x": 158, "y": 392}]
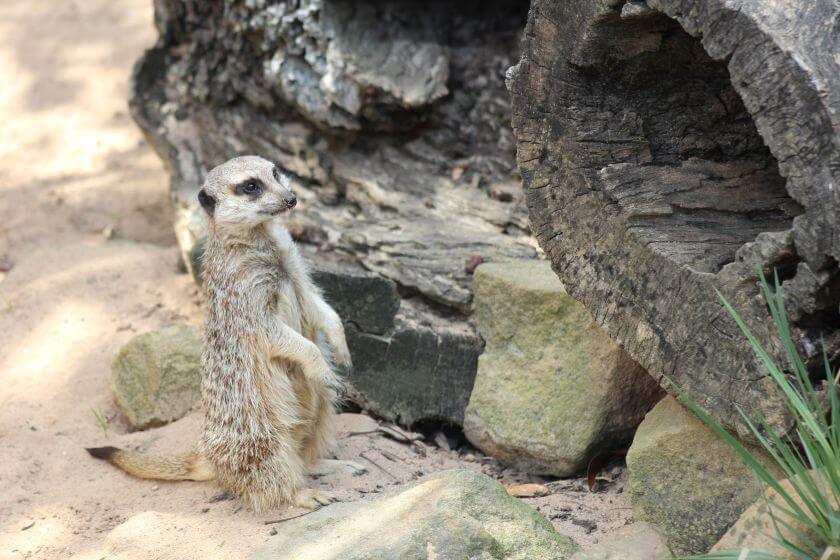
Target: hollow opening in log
[{"x": 691, "y": 172}]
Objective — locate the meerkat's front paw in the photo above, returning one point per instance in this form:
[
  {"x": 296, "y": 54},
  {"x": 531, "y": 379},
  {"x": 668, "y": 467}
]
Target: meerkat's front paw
[
  {"x": 339, "y": 351},
  {"x": 343, "y": 358},
  {"x": 312, "y": 499}
]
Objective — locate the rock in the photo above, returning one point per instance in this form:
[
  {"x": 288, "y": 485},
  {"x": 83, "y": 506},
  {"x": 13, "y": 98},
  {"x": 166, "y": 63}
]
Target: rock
[
  {"x": 156, "y": 376},
  {"x": 686, "y": 480},
  {"x": 368, "y": 301},
  {"x": 665, "y": 147},
  {"x": 530, "y": 490},
  {"x": 448, "y": 515},
  {"x": 417, "y": 372},
  {"x": 755, "y": 529},
  {"x": 551, "y": 388},
  {"x": 409, "y": 365},
  {"x": 639, "y": 541}
]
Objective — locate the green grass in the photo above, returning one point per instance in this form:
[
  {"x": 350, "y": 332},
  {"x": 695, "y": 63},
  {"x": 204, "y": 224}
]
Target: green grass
[
  {"x": 101, "y": 420},
  {"x": 808, "y": 455}
]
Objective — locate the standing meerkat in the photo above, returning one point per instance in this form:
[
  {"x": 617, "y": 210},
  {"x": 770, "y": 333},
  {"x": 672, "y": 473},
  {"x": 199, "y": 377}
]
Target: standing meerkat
[{"x": 269, "y": 387}]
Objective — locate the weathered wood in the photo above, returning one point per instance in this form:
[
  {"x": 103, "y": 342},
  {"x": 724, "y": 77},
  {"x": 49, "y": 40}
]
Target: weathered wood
[{"x": 666, "y": 146}]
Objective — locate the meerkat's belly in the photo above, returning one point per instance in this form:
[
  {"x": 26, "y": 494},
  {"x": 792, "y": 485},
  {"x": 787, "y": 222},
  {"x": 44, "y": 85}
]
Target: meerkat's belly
[
  {"x": 307, "y": 396},
  {"x": 287, "y": 308}
]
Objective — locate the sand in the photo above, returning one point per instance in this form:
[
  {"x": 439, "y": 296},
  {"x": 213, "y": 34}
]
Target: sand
[{"x": 85, "y": 231}]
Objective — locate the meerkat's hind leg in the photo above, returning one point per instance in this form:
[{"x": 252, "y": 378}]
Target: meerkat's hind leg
[
  {"x": 331, "y": 466},
  {"x": 320, "y": 441},
  {"x": 312, "y": 499}
]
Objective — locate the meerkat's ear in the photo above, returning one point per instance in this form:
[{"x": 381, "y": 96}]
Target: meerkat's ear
[{"x": 207, "y": 202}]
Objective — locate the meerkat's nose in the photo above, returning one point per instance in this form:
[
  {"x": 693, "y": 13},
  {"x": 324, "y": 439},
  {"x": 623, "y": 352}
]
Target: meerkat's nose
[{"x": 291, "y": 200}]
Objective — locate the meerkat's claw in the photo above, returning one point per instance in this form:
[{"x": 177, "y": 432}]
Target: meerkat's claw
[{"x": 312, "y": 499}]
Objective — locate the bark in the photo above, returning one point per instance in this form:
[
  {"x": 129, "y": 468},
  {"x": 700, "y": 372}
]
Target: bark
[{"x": 667, "y": 146}]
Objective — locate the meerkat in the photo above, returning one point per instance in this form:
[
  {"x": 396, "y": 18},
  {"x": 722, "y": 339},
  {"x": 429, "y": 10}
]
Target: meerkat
[{"x": 269, "y": 386}]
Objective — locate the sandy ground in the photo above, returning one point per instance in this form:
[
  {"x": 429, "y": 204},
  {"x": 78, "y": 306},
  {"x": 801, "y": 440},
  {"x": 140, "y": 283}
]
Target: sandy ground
[{"x": 85, "y": 230}]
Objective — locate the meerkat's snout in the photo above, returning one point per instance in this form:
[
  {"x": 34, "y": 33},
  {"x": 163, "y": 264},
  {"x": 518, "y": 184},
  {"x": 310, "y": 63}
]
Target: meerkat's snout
[{"x": 287, "y": 202}]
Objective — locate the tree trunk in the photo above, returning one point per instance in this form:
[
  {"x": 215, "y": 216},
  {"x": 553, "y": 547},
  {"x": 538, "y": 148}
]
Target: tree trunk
[{"x": 666, "y": 148}]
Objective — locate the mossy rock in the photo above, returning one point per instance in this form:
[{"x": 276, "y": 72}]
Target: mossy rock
[
  {"x": 450, "y": 515},
  {"x": 551, "y": 387},
  {"x": 686, "y": 480},
  {"x": 156, "y": 376}
]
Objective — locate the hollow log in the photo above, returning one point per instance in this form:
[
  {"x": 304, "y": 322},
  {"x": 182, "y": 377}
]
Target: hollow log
[{"x": 669, "y": 149}]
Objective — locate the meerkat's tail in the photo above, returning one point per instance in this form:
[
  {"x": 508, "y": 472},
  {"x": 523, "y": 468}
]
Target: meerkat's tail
[{"x": 183, "y": 466}]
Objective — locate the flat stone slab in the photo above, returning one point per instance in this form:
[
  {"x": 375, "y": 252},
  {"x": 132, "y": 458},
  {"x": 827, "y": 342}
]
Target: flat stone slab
[
  {"x": 637, "y": 541},
  {"x": 416, "y": 372}
]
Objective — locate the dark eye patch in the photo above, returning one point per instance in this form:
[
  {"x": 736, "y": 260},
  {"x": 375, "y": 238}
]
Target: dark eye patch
[
  {"x": 252, "y": 188},
  {"x": 276, "y": 172}
]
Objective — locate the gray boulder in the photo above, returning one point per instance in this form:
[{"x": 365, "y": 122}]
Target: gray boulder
[
  {"x": 156, "y": 376},
  {"x": 451, "y": 515},
  {"x": 409, "y": 365},
  {"x": 367, "y": 301},
  {"x": 551, "y": 387},
  {"x": 416, "y": 372},
  {"x": 686, "y": 480}
]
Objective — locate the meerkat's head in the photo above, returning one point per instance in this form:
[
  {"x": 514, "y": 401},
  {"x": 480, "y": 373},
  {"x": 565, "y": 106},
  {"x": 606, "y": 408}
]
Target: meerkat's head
[{"x": 244, "y": 192}]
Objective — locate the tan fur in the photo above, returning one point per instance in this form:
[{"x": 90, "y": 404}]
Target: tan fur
[
  {"x": 186, "y": 466},
  {"x": 269, "y": 387}
]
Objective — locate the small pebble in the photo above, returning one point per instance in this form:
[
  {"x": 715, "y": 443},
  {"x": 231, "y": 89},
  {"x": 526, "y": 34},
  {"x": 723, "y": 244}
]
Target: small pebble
[{"x": 528, "y": 490}]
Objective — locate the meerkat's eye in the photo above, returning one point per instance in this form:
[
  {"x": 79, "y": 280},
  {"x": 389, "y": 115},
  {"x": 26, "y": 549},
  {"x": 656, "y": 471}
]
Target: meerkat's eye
[
  {"x": 276, "y": 173},
  {"x": 251, "y": 187}
]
